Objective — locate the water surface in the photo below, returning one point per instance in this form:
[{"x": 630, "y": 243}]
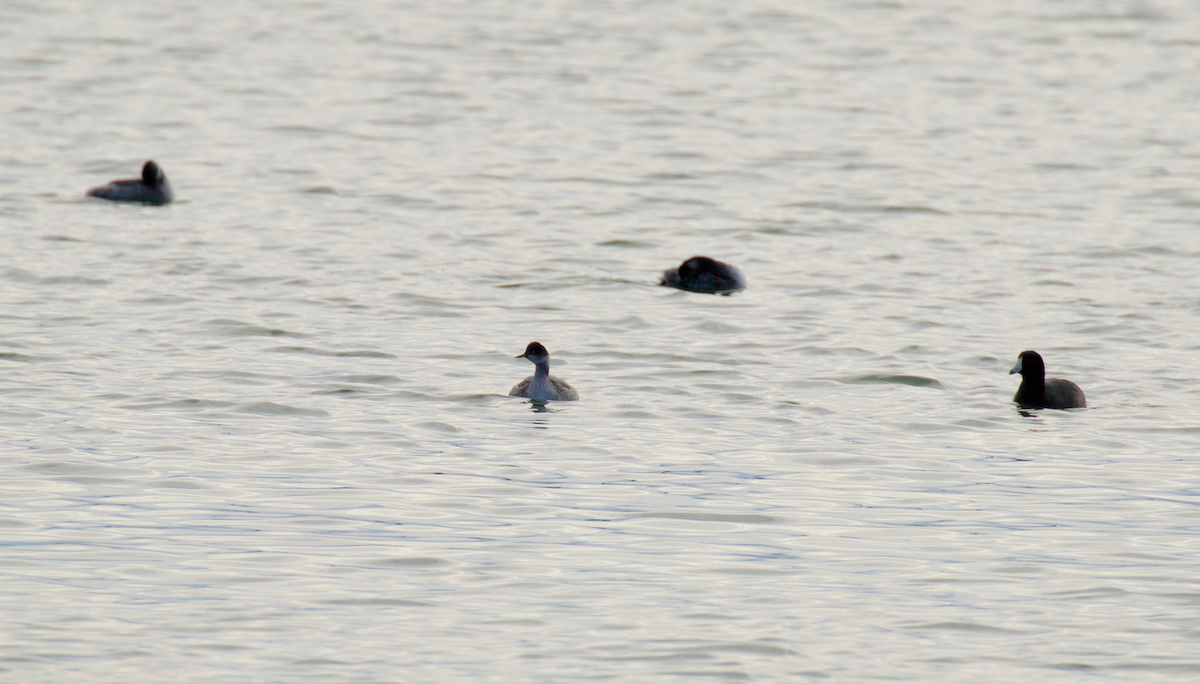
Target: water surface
[{"x": 262, "y": 434}]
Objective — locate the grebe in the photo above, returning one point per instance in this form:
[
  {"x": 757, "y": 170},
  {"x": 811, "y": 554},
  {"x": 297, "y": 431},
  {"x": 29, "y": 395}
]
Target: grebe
[{"x": 541, "y": 385}]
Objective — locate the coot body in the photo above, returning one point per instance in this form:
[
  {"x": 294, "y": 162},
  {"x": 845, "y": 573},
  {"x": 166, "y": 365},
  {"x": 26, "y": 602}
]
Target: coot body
[{"x": 702, "y": 274}]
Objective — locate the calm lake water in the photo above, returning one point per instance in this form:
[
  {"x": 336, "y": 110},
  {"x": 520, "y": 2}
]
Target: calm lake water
[{"x": 262, "y": 434}]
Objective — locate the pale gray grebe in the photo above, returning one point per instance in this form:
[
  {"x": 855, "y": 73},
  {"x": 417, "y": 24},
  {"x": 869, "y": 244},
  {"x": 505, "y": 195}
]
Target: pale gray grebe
[
  {"x": 702, "y": 274},
  {"x": 1041, "y": 392},
  {"x": 151, "y": 188},
  {"x": 541, "y": 385}
]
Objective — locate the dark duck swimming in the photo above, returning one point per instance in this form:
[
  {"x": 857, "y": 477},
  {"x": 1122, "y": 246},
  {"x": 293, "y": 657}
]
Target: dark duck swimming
[
  {"x": 1038, "y": 391},
  {"x": 541, "y": 385},
  {"x": 702, "y": 274},
  {"x": 152, "y": 188}
]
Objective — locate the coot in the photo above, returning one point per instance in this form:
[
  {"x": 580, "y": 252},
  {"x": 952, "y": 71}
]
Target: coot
[
  {"x": 151, "y": 188},
  {"x": 1039, "y": 391},
  {"x": 702, "y": 274}
]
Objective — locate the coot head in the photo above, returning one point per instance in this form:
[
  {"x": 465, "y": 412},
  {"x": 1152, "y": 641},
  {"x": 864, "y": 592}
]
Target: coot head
[
  {"x": 151, "y": 173},
  {"x": 697, "y": 265},
  {"x": 1029, "y": 365}
]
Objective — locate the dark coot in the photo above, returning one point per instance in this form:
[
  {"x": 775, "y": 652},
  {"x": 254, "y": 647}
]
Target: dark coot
[
  {"x": 1041, "y": 392},
  {"x": 702, "y": 274},
  {"x": 541, "y": 385},
  {"x": 152, "y": 188}
]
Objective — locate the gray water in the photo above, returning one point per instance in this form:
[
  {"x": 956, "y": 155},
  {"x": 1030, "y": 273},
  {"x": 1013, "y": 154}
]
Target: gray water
[{"x": 262, "y": 434}]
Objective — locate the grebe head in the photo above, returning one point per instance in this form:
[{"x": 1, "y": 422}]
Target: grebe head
[
  {"x": 536, "y": 353},
  {"x": 1029, "y": 363}
]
